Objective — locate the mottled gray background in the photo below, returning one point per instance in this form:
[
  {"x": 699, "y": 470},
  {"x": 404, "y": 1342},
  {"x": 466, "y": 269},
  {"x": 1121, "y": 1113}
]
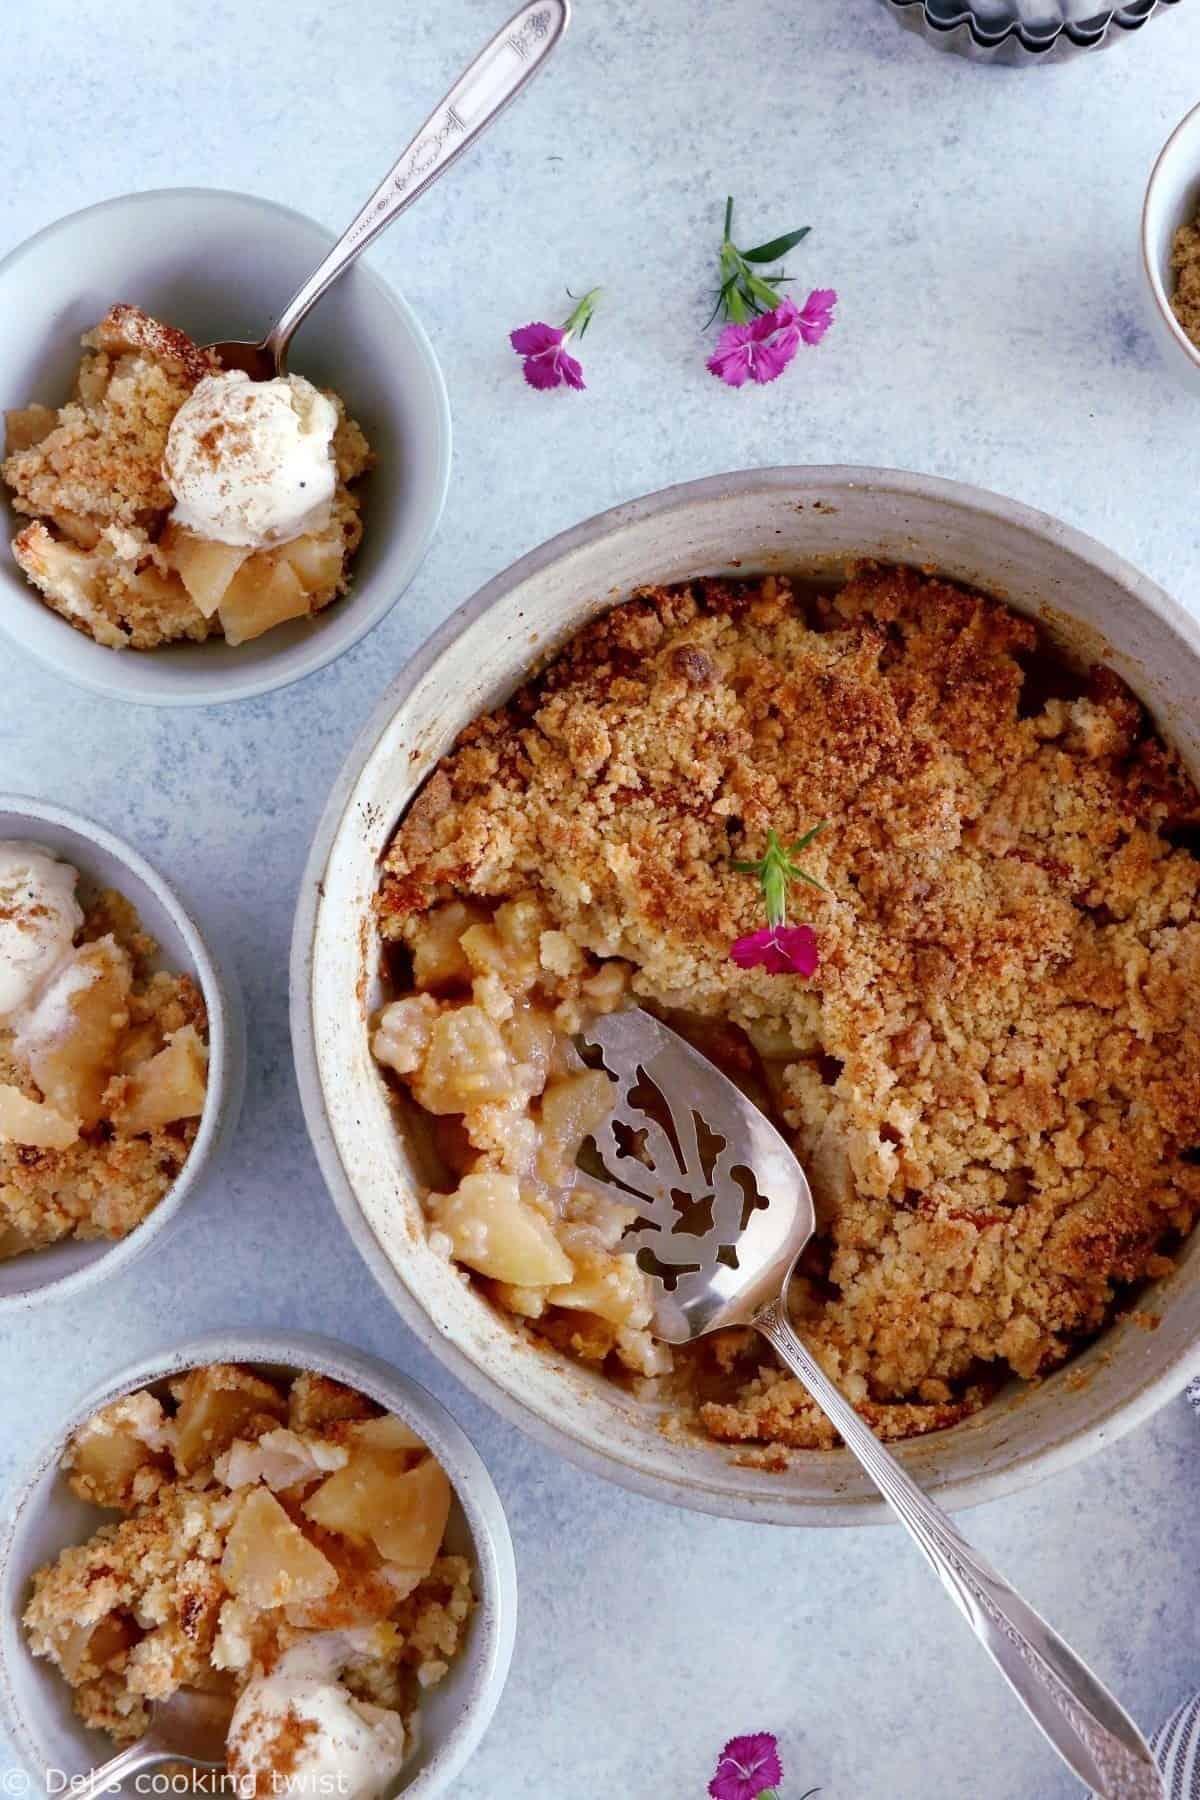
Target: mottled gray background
[{"x": 981, "y": 227}]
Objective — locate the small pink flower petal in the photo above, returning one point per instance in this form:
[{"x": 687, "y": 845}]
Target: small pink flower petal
[
  {"x": 817, "y": 314},
  {"x": 766, "y": 323},
  {"x": 572, "y": 372},
  {"x": 780, "y": 950},
  {"x": 746, "y": 1766},
  {"x": 771, "y": 359},
  {"x": 535, "y": 338},
  {"x": 730, "y": 360},
  {"x": 542, "y": 371}
]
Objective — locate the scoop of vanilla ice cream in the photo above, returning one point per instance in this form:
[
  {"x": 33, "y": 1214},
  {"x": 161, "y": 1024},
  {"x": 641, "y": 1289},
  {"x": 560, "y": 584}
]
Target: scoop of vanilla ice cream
[
  {"x": 299, "y": 1723},
  {"x": 39, "y": 916},
  {"x": 251, "y": 462}
]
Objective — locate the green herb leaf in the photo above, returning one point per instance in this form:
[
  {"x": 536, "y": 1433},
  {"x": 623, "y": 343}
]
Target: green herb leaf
[
  {"x": 777, "y": 247},
  {"x": 802, "y": 843}
]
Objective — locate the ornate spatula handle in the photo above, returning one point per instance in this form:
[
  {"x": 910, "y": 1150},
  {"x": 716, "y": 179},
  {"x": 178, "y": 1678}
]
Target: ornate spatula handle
[{"x": 1060, "y": 1693}]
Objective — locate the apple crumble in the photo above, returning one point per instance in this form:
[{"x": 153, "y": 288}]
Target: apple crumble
[
  {"x": 281, "y": 1544},
  {"x": 992, "y": 1078},
  {"x": 103, "y": 1060},
  {"x": 171, "y": 501}
]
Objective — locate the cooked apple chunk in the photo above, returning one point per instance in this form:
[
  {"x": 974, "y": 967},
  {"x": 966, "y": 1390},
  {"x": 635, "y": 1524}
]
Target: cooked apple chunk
[
  {"x": 121, "y": 1456},
  {"x": 70, "y": 577},
  {"x": 571, "y": 1111},
  {"x": 385, "y": 1436},
  {"x": 264, "y": 592},
  {"x": 106, "y": 1463},
  {"x": 492, "y": 1230},
  {"x": 29, "y": 1122},
  {"x": 169, "y": 1086},
  {"x": 204, "y": 567},
  {"x": 316, "y": 560},
  {"x": 26, "y": 426},
  {"x": 268, "y": 1561},
  {"x": 411, "y": 1533},
  {"x": 218, "y": 1403},
  {"x": 401, "y": 1509},
  {"x": 467, "y": 1063},
  {"x": 612, "y": 1287},
  {"x": 73, "y": 1039},
  {"x": 439, "y": 960}
]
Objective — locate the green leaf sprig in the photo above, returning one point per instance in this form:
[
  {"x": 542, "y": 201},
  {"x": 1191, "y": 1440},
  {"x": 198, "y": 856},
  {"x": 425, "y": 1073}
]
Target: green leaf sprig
[
  {"x": 743, "y": 292},
  {"x": 776, "y": 869}
]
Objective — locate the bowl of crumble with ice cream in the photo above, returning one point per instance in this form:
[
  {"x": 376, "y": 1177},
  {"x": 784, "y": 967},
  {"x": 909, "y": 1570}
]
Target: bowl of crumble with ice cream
[
  {"x": 989, "y": 1067},
  {"x": 278, "y": 1520},
  {"x": 121, "y": 1053},
  {"x": 178, "y": 533}
]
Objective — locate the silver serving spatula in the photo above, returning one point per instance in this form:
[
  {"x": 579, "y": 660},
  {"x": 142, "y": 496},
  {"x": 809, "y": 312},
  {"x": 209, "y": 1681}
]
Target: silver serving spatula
[{"x": 724, "y": 1211}]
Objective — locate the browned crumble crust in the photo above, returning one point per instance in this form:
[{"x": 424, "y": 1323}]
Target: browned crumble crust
[
  {"x": 107, "y": 1182},
  {"x": 1185, "y": 265},
  {"x": 100, "y": 548},
  {"x": 166, "y": 1597},
  {"x": 993, "y": 1079}
]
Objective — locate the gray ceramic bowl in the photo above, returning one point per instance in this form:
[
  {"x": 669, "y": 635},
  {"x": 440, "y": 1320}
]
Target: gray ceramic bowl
[
  {"x": 104, "y": 861},
  {"x": 804, "y": 520},
  {"x": 222, "y": 265},
  {"x": 44, "y": 1516}
]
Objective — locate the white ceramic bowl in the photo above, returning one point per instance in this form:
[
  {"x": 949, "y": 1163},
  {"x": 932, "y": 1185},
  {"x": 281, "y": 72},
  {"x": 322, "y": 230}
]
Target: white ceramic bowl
[
  {"x": 104, "y": 861},
  {"x": 803, "y": 520},
  {"x": 222, "y": 265},
  {"x": 45, "y": 1516},
  {"x": 1172, "y": 199}
]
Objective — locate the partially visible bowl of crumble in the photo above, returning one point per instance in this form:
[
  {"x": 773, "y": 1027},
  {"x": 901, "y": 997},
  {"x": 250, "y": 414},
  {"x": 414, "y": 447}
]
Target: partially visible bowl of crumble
[
  {"x": 992, "y": 1078},
  {"x": 278, "y": 1520},
  {"x": 121, "y": 1053},
  {"x": 1170, "y": 247},
  {"x": 178, "y": 534}
]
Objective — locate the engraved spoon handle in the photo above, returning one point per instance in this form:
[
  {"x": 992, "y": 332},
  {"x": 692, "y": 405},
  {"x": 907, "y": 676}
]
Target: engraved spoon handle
[
  {"x": 1079, "y": 1716},
  {"x": 146, "y": 1753},
  {"x": 481, "y": 93}
]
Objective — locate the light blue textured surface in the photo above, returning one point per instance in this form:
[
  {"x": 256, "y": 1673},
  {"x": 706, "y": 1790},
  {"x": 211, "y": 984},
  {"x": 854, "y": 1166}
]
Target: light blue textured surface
[{"x": 981, "y": 227}]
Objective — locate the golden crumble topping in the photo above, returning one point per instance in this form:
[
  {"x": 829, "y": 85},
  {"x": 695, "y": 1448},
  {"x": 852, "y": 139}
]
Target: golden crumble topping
[
  {"x": 101, "y": 547},
  {"x": 256, "y": 1518},
  {"x": 97, "y": 1118},
  {"x": 993, "y": 1078}
]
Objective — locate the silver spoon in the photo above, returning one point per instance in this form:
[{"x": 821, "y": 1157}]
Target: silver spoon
[
  {"x": 189, "y": 1727},
  {"x": 724, "y": 1213},
  {"x": 481, "y": 93}
]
